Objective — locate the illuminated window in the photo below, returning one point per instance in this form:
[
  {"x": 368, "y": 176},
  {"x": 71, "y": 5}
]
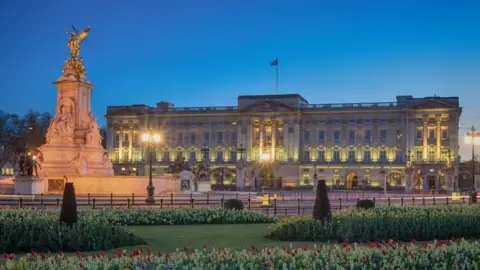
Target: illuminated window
[
  {"x": 367, "y": 156},
  {"x": 321, "y": 156},
  {"x": 431, "y": 133},
  {"x": 431, "y": 154},
  {"x": 306, "y": 155},
  {"x": 419, "y": 155},
  {"x": 419, "y": 135},
  {"x": 336, "y": 156},
  {"x": 444, "y": 134},
  {"x": 383, "y": 156}
]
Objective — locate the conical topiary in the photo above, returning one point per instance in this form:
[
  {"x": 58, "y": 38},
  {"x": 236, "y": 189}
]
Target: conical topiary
[
  {"x": 321, "y": 209},
  {"x": 68, "y": 214}
]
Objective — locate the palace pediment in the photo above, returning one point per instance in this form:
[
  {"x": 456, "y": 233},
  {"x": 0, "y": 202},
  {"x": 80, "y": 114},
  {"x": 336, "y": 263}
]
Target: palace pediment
[
  {"x": 268, "y": 106},
  {"x": 433, "y": 104}
]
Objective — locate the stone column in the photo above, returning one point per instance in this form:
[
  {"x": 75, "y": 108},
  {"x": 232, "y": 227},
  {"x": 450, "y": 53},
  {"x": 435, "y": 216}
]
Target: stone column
[
  {"x": 296, "y": 139},
  {"x": 286, "y": 142},
  {"x": 261, "y": 137},
  {"x": 248, "y": 144},
  {"x": 425, "y": 140},
  {"x": 240, "y": 137},
  {"x": 130, "y": 144},
  {"x": 438, "y": 134},
  {"x": 120, "y": 145},
  {"x": 274, "y": 139}
]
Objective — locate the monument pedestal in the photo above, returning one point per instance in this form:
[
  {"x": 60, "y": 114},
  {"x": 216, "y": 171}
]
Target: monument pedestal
[
  {"x": 204, "y": 186},
  {"x": 73, "y": 141},
  {"x": 28, "y": 185}
]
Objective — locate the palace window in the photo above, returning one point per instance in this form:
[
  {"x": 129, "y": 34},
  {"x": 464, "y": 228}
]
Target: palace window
[
  {"x": 431, "y": 154},
  {"x": 233, "y": 137},
  {"x": 321, "y": 136},
  {"x": 116, "y": 143},
  {"x": 193, "y": 138},
  {"x": 193, "y": 156},
  {"x": 321, "y": 156},
  {"x": 419, "y": 135},
  {"x": 351, "y": 136},
  {"x": 368, "y": 136},
  {"x": 351, "y": 157},
  {"x": 444, "y": 134},
  {"x": 280, "y": 155},
  {"x": 220, "y": 156},
  {"x": 445, "y": 153},
  {"x": 233, "y": 156},
  {"x": 383, "y": 135},
  {"x": 166, "y": 156},
  {"x": 336, "y": 136},
  {"x": 367, "y": 156},
  {"x": 126, "y": 139},
  {"x": 399, "y": 135},
  {"x": 399, "y": 156},
  {"x": 135, "y": 139},
  {"x": 419, "y": 155},
  {"x": 180, "y": 138},
  {"x": 306, "y": 136},
  {"x": 206, "y": 137},
  {"x": 336, "y": 156},
  {"x": 219, "y": 137},
  {"x": 125, "y": 155},
  {"x": 431, "y": 133},
  {"x": 179, "y": 155},
  {"x": 280, "y": 134},
  {"x": 306, "y": 156},
  {"x": 383, "y": 156}
]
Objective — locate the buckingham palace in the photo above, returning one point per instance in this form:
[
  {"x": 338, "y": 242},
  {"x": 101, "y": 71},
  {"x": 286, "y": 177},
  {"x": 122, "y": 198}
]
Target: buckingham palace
[{"x": 284, "y": 141}]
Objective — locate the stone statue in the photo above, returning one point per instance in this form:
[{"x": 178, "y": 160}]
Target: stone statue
[
  {"x": 80, "y": 164},
  {"x": 93, "y": 136},
  {"x": 75, "y": 63}
]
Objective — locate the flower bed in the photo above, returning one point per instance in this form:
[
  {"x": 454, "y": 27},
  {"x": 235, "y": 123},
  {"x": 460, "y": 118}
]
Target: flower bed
[
  {"x": 394, "y": 222},
  {"x": 25, "y": 235},
  {"x": 129, "y": 217},
  {"x": 451, "y": 254}
]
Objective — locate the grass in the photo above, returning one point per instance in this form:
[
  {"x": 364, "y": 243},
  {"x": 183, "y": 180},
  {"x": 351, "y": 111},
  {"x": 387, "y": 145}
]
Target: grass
[{"x": 169, "y": 238}]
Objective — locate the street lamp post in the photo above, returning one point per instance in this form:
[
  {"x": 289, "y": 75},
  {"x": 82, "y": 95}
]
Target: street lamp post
[
  {"x": 473, "y": 138},
  {"x": 150, "y": 138}
]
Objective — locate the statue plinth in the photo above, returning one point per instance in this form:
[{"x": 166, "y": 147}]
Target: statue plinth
[{"x": 73, "y": 141}]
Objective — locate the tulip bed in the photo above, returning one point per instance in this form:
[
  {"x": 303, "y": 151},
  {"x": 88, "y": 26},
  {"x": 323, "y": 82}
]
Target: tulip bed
[
  {"x": 393, "y": 222},
  {"x": 450, "y": 254},
  {"x": 130, "y": 217}
]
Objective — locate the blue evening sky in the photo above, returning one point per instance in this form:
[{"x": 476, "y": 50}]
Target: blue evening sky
[{"x": 207, "y": 52}]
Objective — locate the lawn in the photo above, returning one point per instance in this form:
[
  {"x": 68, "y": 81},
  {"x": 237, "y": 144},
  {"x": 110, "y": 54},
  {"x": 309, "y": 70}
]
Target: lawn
[{"x": 168, "y": 238}]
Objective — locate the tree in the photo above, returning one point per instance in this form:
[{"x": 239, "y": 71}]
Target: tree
[
  {"x": 321, "y": 209},
  {"x": 68, "y": 213}
]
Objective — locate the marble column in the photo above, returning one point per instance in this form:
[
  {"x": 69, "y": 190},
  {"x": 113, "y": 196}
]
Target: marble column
[
  {"x": 120, "y": 145},
  {"x": 296, "y": 139},
  {"x": 425, "y": 140},
  {"x": 130, "y": 144},
  {"x": 286, "y": 143},
  {"x": 274, "y": 140},
  {"x": 248, "y": 142},
  {"x": 438, "y": 134},
  {"x": 262, "y": 133}
]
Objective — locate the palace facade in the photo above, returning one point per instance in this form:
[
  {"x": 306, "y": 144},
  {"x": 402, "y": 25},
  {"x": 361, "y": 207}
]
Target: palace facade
[{"x": 284, "y": 140}]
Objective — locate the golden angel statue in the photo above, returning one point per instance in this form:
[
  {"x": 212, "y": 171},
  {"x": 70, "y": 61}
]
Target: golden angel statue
[
  {"x": 75, "y": 63},
  {"x": 75, "y": 41}
]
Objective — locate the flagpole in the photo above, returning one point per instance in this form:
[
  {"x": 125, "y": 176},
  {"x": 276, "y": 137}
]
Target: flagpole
[{"x": 276, "y": 85}]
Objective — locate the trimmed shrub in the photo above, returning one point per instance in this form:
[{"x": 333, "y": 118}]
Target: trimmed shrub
[
  {"x": 50, "y": 235},
  {"x": 385, "y": 222},
  {"x": 365, "y": 204},
  {"x": 233, "y": 204},
  {"x": 68, "y": 213},
  {"x": 130, "y": 217},
  {"x": 321, "y": 209}
]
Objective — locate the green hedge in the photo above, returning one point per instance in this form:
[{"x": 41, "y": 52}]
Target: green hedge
[
  {"x": 27, "y": 234},
  {"x": 379, "y": 223},
  {"x": 130, "y": 217}
]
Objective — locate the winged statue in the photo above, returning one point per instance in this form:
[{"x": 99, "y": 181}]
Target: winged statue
[{"x": 75, "y": 41}]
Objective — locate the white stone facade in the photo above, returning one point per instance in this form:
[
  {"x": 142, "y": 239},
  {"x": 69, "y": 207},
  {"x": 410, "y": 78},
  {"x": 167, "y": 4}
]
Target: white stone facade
[{"x": 349, "y": 145}]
